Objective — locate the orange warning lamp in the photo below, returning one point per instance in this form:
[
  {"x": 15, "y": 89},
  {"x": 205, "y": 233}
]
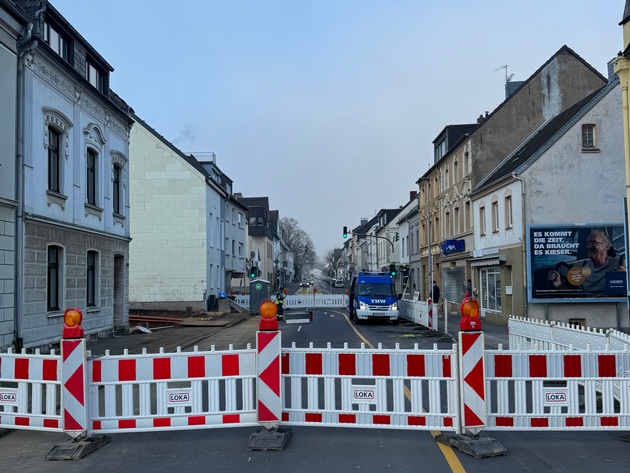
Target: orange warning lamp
[
  {"x": 469, "y": 309},
  {"x": 72, "y": 318},
  {"x": 268, "y": 311}
]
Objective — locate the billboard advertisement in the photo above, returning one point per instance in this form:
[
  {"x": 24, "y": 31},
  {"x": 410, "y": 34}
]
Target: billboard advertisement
[{"x": 576, "y": 263}]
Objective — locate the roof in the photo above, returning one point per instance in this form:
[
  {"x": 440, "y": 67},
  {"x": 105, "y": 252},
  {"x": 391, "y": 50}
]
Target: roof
[
  {"x": 543, "y": 138},
  {"x": 562, "y": 51},
  {"x": 362, "y": 229},
  {"x": 414, "y": 211},
  {"x": 189, "y": 159},
  {"x": 253, "y": 202}
]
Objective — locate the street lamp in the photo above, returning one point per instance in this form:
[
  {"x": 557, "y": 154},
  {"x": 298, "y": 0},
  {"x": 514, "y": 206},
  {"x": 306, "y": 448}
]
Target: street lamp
[{"x": 430, "y": 255}]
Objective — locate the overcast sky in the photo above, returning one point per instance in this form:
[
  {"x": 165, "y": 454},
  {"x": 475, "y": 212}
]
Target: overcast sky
[{"x": 329, "y": 107}]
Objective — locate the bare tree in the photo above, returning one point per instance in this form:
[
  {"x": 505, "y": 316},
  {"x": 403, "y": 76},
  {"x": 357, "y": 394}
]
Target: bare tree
[
  {"x": 333, "y": 261},
  {"x": 300, "y": 243}
]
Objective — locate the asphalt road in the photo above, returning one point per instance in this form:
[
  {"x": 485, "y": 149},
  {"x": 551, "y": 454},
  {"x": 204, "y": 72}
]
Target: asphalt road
[{"x": 321, "y": 449}]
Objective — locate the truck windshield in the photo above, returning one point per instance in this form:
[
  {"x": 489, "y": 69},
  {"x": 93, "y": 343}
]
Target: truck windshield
[{"x": 373, "y": 289}]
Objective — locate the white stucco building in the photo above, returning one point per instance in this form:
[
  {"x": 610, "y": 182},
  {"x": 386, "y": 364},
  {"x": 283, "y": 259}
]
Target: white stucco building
[{"x": 188, "y": 230}]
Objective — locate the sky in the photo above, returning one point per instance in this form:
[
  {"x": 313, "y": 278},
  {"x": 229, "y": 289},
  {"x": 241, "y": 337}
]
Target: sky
[{"x": 329, "y": 107}]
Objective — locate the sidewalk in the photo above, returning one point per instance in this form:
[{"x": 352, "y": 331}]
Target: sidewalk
[{"x": 233, "y": 327}]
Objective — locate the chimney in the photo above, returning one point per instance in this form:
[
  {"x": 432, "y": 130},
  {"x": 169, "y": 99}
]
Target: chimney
[
  {"x": 480, "y": 120},
  {"x": 364, "y": 221},
  {"x": 413, "y": 195}
]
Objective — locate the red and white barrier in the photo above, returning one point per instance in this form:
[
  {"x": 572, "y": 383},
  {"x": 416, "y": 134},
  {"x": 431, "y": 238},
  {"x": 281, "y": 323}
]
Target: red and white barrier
[
  {"x": 555, "y": 390},
  {"x": 268, "y": 386},
  {"x": 33, "y": 403},
  {"x": 137, "y": 392},
  {"x": 369, "y": 388},
  {"x": 74, "y": 393},
  {"x": 472, "y": 383},
  {"x": 430, "y": 314}
]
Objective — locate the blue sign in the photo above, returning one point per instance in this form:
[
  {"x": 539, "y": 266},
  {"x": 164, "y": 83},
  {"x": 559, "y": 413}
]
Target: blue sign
[{"x": 453, "y": 246}]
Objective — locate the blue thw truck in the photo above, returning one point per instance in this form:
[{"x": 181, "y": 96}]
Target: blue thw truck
[{"x": 373, "y": 297}]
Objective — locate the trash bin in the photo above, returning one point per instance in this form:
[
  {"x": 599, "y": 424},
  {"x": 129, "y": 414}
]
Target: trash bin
[{"x": 211, "y": 303}]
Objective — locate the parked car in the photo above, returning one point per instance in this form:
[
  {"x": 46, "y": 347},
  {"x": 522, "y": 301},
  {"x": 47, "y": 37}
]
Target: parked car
[{"x": 338, "y": 283}]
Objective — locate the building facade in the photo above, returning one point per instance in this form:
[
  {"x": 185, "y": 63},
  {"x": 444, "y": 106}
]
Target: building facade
[
  {"x": 541, "y": 186},
  {"x": 186, "y": 233},
  {"x": 445, "y": 208},
  {"x": 14, "y": 28},
  {"x": 72, "y": 227}
]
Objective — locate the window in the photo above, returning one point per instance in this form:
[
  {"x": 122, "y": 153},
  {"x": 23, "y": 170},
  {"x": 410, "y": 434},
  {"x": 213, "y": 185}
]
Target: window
[
  {"x": 482, "y": 221},
  {"x": 509, "y": 216},
  {"x": 95, "y": 76},
  {"x": 495, "y": 217},
  {"x": 240, "y": 220},
  {"x": 456, "y": 222},
  {"x": 467, "y": 216},
  {"x": 447, "y": 224},
  {"x": 491, "y": 288},
  {"x": 58, "y": 42},
  {"x": 589, "y": 137},
  {"x": 92, "y": 279},
  {"x": 54, "y": 281},
  {"x": 455, "y": 172},
  {"x": 116, "y": 191},
  {"x": 91, "y": 159},
  {"x": 54, "y": 139}
]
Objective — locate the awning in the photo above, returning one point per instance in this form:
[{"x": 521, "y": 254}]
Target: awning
[{"x": 494, "y": 261}]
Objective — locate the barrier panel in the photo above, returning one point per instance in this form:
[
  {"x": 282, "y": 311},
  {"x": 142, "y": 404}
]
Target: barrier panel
[
  {"x": 171, "y": 391},
  {"x": 463, "y": 388},
  {"x": 30, "y": 391},
  {"x": 304, "y": 301},
  {"x": 557, "y": 390},
  {"x": 416, "y": 312},
  {"x": 401, "y": 389},
  {"x": 529, "y": 334}
]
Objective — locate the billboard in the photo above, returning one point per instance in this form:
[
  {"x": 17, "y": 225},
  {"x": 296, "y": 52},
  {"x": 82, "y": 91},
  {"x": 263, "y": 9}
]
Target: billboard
[{"x": 576, "y": 263}]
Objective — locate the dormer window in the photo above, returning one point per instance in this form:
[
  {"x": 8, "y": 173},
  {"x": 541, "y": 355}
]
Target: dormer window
[
  {"x": 58, "y": 41},
  {"x": 95, "y": 76}
]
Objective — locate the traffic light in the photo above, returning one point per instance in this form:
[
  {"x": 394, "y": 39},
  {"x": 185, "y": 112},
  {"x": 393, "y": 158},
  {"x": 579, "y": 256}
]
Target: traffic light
[
  {"x": 345, "y": 232},
  {"x": 253, "y": 272},
  {"x": 392, "y": 269}
]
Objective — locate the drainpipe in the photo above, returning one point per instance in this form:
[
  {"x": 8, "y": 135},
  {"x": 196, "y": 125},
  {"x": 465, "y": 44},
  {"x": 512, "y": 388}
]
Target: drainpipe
[
  {"x": 24, "y": 45},
  {"x": 523, "y": 249}
]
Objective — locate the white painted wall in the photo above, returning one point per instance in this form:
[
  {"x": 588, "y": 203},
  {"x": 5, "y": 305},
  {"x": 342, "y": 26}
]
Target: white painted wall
[{"x": 170, "y": 209}]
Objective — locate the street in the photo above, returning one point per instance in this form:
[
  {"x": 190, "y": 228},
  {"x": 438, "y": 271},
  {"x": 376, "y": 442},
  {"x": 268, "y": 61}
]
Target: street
[{"x": 318, "y": 449}]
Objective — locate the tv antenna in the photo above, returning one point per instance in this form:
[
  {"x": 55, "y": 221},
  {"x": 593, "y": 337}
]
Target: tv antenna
[{"x": 507, "y": 78}]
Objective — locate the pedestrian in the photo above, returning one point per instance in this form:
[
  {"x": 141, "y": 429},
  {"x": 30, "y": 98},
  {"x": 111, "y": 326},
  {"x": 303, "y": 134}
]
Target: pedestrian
[
  {"x": 435, "y": 294},
  {"x": 280, "y": 302},
  {"x": 435, "y": 297},
  {"x": 468, "y": 289}
]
